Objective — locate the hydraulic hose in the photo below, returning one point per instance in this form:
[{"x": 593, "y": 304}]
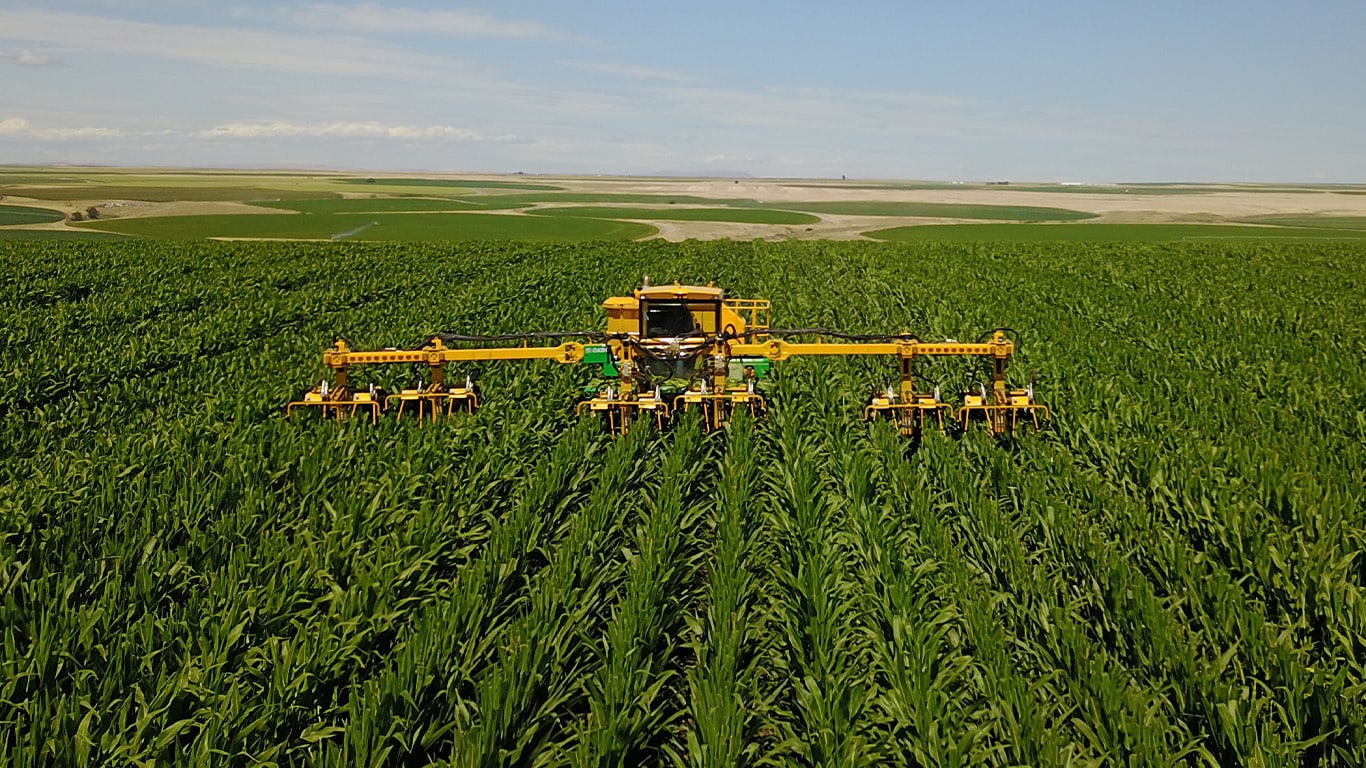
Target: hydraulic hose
[
  {"x": 1011, "y": 333},
  {"x": 826, "y": 332}
]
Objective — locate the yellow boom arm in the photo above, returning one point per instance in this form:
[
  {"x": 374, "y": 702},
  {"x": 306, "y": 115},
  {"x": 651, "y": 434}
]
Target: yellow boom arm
[
  {"x": 437, "y": 354},
  {"x": 777, "y": 349}
]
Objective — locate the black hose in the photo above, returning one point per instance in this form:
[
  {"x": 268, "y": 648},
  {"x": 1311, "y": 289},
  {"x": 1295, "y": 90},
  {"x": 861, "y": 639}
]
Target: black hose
[
  {"x": 650, "y": 353},
  {"x": 827, "y": 332},
  {"x": 1011, "y": 333},
  {"x": 528, "y": 335},
  {"x": 727, "y": 334},
  {"x": 451, "y": 338}
]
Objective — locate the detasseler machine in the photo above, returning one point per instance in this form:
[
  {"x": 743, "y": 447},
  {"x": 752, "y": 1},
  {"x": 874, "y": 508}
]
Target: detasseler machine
[{"x": 674, "y": 348}]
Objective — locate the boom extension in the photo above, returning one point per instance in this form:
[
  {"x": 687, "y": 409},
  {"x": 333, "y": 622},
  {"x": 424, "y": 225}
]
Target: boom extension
[
  {"x": 902, "y": 404},
  {"x": 340, "y": 401}
]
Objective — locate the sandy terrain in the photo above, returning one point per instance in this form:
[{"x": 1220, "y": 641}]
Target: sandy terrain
[
  {"x": 130, "y": 209},
  {"x": 1221, "y": 204},
  {"x": 1224, "y": 204}
]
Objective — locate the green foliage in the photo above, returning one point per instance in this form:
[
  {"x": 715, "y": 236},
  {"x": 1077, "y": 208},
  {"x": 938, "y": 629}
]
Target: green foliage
[{"x": 1170, "y": 575}]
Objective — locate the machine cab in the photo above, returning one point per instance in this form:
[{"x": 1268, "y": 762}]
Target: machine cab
[
  {"x": 671, "y": 312},
  {"x": 676, "y": 321},
  {"x": 679, "y": 311}
]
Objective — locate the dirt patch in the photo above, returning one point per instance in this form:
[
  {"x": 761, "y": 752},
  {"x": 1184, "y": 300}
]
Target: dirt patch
[
  {"x": 132, "y": 209},
  {"x": 135, "y": 209},
  {"x": 1218, "y": 201}
]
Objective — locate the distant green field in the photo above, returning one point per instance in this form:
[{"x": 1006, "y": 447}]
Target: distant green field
[
  {"x": 1179, "y": 189},
  {"x": 1106, "y": 233},
  {"x": 168, "y": 194},
  {"x": 1332, "y": 189},
  {"x": 1314, "y": 222},
  {"x": 737, "y": 215},
  {"x": 493, "y": 202},
  {"x": 877, "y": 185},
  {"x": 1109, "y": 189},
  {"x": 462, "y": 183},
  {"x": 56, "y": 234},
  {"x": 369, "y": 205},
  {"x": 943, "y": 210},
  {"x": 384, "y": 226},
  {"x": 22, "y": 214}
]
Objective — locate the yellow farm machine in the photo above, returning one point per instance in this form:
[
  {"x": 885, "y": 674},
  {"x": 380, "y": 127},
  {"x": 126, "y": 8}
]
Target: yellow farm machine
[{"x": 675, "y": 348}]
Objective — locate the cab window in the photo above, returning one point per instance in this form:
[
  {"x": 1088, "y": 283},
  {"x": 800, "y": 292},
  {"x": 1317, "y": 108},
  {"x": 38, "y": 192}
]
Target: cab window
[
  {"x": 674, "y": 319},
  {"x": 667, "y": 319}
]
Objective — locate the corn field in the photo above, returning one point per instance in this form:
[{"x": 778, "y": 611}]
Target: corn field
[{"x": 1172, "y": 573}]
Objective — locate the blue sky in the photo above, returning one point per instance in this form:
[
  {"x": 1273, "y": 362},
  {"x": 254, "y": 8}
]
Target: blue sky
[{"x": 1046, "y": 91}]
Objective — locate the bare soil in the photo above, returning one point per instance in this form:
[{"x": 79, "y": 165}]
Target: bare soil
[{"x": 1216, "y": 206}]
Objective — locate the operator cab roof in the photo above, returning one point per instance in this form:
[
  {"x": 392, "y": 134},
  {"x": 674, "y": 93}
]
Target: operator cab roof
[{"x": 681, "y": 292}]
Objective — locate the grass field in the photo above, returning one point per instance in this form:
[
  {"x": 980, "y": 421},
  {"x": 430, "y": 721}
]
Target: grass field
[
  {"x": 1106, "y": 233},
  {"x": 449, "y": 183},
  {"x": 1112, "y": 189},
  {"x": 741, "y": 215},
  {"x": 528, "y": 200},
  {"x": 1315, "y": 222},
  {"x": 166, "y": 194},
  {"x": 21, "y": 214},
  {"x": 945, "y": 211},
  {"x": 56, "y": 234},
  {"x": 372, "y": 205},
  {"x": 379, "y": 226},
  {"x": 1170, "y": 574}
]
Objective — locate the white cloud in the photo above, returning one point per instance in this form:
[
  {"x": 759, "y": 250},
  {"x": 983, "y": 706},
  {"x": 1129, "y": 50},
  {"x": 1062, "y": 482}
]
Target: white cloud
[
  {"x": 20, "y": 128},
  {"x": 222, "y": 46},
  {"x": 371, "y": 18},
  {"x": 631, "y": 71},
  {"x": 348, "y": 130},
  {"x": 27, "y": 58}
]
